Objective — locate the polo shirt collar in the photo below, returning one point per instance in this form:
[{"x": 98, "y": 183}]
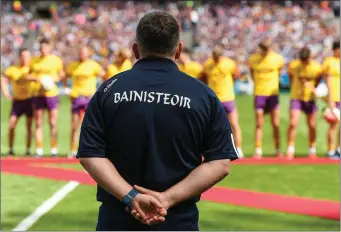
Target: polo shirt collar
[{"x": 153, "y": 62}]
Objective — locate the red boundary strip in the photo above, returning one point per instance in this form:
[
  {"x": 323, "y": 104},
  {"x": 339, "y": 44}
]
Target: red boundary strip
[
  {"x": 252, "y": 161},
  {"x": 275, "y": 202}
]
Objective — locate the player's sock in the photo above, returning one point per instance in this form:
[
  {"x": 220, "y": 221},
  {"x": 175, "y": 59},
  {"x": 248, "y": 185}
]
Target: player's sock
[
  {"x": 291, "y": 151},
  {"x": 10, "y": 151},
  {"x": 39, "y": 151},
  {"x": 28, "y": 151},
  {"x": 312, "y": 151},
  {"x": 258, "y": 151},
  {"x": 54, "y": 150},
  {"x": 331, "y": 150},
  {"x": 240, "y": 152},
  {"x": 39, "y": 148}
]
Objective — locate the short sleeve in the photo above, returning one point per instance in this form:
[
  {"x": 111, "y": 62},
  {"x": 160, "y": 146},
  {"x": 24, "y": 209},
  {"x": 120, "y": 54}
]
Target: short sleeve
[
  {"x": 325, "y": 66},
  {"x": 233, "y": 67},
  {"x": 218, "y": 140},
  {"x": 91, "y": 139},
  {"x": 97, "y": 68},
  {"x": 9, "y": 73}
]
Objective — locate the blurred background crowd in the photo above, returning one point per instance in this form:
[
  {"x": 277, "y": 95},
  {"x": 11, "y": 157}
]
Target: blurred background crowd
[{"x": 106, "y": 26}]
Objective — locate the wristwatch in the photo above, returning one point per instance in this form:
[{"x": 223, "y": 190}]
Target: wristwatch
[{"x": 127, "y": 199}]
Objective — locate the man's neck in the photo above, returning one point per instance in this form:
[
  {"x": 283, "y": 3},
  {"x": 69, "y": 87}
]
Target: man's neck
[{"x": 157, "y": 56}]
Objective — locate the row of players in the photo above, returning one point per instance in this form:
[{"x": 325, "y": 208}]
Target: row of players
[{"x": 30, "y": 98}]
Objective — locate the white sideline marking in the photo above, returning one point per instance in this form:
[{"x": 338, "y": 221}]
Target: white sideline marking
[{"x": 46, "y": 206}]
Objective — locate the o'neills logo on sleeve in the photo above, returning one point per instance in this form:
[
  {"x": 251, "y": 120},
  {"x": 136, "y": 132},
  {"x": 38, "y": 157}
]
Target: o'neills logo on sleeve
[{"x": 153, "y": 97}]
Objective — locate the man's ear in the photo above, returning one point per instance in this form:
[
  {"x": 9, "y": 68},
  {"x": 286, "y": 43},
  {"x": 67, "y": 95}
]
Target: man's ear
[
  {"x": 178, "y": 50},
  {"x": 136, "y": 51}
]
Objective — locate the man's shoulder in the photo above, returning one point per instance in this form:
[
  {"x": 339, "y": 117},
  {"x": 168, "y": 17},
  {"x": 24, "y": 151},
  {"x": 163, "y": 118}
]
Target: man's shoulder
[{"x": 196, "y": 85}]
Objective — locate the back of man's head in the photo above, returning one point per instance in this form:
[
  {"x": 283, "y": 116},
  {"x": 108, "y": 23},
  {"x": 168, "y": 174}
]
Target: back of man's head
[
  {"x": 304, "y": 54},
  {"x": 158, "y": 33}
]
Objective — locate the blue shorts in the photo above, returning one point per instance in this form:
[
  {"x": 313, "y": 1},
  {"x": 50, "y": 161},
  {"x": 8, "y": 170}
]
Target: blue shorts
[{"x": 113, "y": 218}]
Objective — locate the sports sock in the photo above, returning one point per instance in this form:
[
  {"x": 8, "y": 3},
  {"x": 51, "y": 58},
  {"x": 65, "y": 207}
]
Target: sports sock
[
  {"x": 258, "y": 151},
  {"x": 291, "y": 149},
  {"x": 240, "y": 152},
  {"x": 39, "y": 148},
  {"x": 312, "y": 150}
]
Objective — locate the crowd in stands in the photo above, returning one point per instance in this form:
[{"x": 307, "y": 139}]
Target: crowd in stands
[{"x": 108, "y": 26}]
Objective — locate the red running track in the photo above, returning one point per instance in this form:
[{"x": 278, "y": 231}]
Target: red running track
[{"x": 269, "y": 201}]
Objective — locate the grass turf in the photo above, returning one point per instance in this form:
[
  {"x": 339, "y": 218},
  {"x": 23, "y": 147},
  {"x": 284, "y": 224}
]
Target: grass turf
[
  {"x": 292, "y": 180},
  {"x": 246, "y": 118},
  {"x": 20, "y": 196},
  {"x": 212, "y": 216}
]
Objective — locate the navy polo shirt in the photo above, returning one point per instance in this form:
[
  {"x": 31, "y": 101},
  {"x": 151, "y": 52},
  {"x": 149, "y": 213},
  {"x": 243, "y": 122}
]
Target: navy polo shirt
[{"x": 154, "y": 123}]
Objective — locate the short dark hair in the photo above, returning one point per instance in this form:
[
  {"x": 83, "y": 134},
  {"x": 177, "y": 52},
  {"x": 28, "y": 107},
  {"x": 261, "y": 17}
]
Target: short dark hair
[
  {"x": 336, "y": 45},
  {"x": 44, "y": 41},
  {"x": 158, "y": 32},
  {"x": 21, "y": 50},
  {"x": 304, "y": 53},
  {"x": 265, "y": 45}
]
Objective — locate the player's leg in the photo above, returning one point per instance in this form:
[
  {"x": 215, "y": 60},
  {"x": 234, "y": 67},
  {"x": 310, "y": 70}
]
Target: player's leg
[
  {"x": 29, "y": 120},
  {"x": 13, "y": 120},
  {"x": 260, "y": 102},
  {"x": 295, "y": 114},
  {"x": 75, "y": 121},
  {"x": 274, "y": 109},
  {"x": 310, "y": 111},
  {"x": 337, "y": 152},
  {"x": 39, "y": 117},
  {"x": 52, "y": 107},
  {"x": 16, "y": 112},
  {"x": 331, "y": 136},
  {"x": 232, "y": 116}
]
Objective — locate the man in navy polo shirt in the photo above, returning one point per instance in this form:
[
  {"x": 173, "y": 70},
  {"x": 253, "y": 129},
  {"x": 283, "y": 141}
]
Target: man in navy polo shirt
[{"x": 150, "y": 127}]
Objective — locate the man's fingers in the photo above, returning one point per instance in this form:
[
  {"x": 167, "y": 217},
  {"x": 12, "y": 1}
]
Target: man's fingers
[
  {"x": 155, "y": 203},
  {"x": 133, "y": 213},
  {"x": 155, "y": 220},
  {"x": 141, "y": 189},
  {"x": 163, "y": 212},
  {"x": 140, "y": 211}
]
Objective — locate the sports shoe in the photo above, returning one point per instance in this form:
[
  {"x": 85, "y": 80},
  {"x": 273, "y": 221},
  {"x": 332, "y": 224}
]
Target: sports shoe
[
  {"x": 290, "y": 156},
  {"x": 54, "y": 152},
  {"x": 10, "y": 153},
  {"x": 312, "y": 156},
  {"x": 335, "y": 156},
  {"x": 257, "y": 156},
  {"x": 279, "y": 155}
]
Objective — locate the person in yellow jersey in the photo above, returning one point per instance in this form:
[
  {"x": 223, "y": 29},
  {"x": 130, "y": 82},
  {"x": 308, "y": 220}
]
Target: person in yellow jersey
[
  {"x": 305, "y": 75},
  {"x": 219, "y": 73},
  {"x": 122, "y": 63},
  {"x": 21, "y": 97},
  {"x": 188, "y": 66},
  {"x": 46, "y": 68},
  {"x": 265, "y": 68},
  {"x": 331, "y": 70},
  {"x": 84, "y": 73}
]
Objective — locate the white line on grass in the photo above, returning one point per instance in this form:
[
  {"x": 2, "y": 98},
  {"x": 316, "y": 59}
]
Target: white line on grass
[{"x": 46, "y": 206}]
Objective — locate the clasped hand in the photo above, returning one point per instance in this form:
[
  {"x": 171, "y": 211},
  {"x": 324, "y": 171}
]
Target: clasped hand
[{"x": 149, "y": 207}]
